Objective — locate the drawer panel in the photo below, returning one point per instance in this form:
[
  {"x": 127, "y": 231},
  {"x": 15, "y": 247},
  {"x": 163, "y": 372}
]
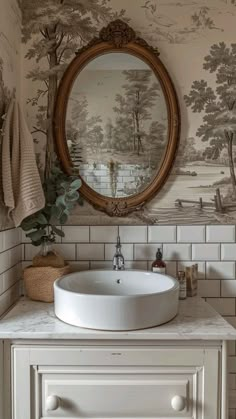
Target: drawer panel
[
  {"x": 116, "y": 356},
  {"x": 130, "y": 393}
]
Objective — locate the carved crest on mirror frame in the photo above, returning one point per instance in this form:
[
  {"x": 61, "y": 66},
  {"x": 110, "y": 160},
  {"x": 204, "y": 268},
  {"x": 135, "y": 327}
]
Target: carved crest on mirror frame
[{"x": 118, "y": 33}]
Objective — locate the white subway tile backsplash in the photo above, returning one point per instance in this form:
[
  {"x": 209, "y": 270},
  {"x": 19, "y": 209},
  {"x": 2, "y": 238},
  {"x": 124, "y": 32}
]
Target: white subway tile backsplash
[
  {"x": 11, "y": 238},
  {"x": 1, "y": 241},
  {"x": 145, "y": 251},
  {"x": 209, "y": 288},
  {"x": 30, "y": 251},
  {"x": 220, "y": 270},
  {"x": 232, "y": 365},
  {"x": 219, "y": 233},
  {"x": 162, "y": 234},
  {"x": 79, "y": 266},
  {"x": 126, "y": 249},
  {"x": 11, "y": 276},
  {"x": 205, "y": 252},
  {"x": 177, "y": 251},
  {"x": 9, "y": 297},
  {"x": 136, "y": 264},
  {"x": 133, "y": 234},
  {"x": 90, "y": 251},
  {"x": 66, "y": 250},
  {"x": 232, "y": 350},
  {"x": 191, "y": 234},
  {"x": 101, "y": 264},
  {"x": 224, "y": 306},
  {"x": 103, "y": 234},
  {"x": 232, "y": 381},
  {"x": 228, "y": 288},
  {"x": 201, "y": 267},
  {"x": 228, "y": 251},
  {"x": 75, "y": 234}
]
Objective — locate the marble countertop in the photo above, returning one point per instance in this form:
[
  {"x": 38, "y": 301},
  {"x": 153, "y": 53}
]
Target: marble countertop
[{"x": 196, "y": 321}]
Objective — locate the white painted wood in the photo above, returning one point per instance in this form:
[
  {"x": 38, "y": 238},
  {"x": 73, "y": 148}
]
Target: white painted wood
[
  {"x": 224, "y": 382},
  {"x": 118, "y": 394},
  {"x": 1, "y": 379},
  {"x": 116, "y": 356},
  {"x": 7, "y": 405},
  {"x": 21, "y": 386},
  {"x": 115, "y": 382},
  {"x": 211, "y": 384}
]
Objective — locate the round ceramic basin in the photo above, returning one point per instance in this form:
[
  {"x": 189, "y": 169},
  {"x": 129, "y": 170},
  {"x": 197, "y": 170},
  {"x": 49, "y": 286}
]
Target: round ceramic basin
[{"x": 116, "y": 300}]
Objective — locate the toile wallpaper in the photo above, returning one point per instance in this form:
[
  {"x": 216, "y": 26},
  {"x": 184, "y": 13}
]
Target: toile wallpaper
[{"x": 196, "y": 40}]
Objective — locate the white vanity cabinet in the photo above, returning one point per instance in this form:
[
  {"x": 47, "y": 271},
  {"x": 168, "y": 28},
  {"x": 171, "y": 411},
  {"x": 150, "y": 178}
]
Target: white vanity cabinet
[
  {"x": 127, "y": 381},
  {"x": 49, "y": 369}
]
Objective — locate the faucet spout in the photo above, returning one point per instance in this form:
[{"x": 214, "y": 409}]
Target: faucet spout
[{"x": 118, "y": 258}]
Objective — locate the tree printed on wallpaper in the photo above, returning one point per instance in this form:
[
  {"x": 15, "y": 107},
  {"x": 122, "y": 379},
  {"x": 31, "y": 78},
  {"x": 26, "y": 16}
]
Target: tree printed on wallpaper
[
  {"x": 55, "y": 29},
  {"x": 83, "y": 131},
  {"x": 133, "y": 109},
  {"x": 130, "y": 134},
  {"x": 218, "y": 128}
]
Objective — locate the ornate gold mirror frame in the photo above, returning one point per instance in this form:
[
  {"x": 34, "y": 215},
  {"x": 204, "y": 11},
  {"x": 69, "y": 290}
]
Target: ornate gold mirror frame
[{"x": 118, "y": 37}]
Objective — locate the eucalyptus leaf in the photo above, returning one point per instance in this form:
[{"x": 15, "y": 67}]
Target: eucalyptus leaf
[
  {"x": 61, "y": 201},
  {"x": 28, "y": 225},
  {"x": 58, "y": 231},
  {"x": 65, "y": 185},
  {"x": 36, "y": 235},
  {"x": 76, "y": 184},
  {"x": 37, "y": 242},
  {"x": 63, "y": 219},
  {"x": 72, "y": 196},
  {"x": 61, "y": 194},
  {"x": 41, "y": 219}
]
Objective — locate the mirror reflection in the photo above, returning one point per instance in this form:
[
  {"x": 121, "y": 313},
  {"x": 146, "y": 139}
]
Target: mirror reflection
[{"x": 116, "y": 124}]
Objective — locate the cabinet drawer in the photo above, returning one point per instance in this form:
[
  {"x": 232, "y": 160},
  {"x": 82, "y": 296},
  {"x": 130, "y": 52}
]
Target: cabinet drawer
[{"x": 126, "y": 393}]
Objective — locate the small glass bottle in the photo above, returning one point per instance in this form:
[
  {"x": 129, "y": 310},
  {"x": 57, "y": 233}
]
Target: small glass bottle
[
  {"x": 182, "y": 285},
  {"x": 159, "y": 266}
]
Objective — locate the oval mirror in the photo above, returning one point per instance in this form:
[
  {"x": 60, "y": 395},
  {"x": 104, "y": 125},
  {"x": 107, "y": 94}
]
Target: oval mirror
[{"x": 117, "y": 120}]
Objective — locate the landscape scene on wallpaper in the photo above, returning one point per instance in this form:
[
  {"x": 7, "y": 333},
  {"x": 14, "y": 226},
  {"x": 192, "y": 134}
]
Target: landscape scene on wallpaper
[
  {"x": 116, "y": 128},
  {"x": 54, "y": 30},
  {"x": 182, "y": 21},
  {"x": 127, "y": 128}
]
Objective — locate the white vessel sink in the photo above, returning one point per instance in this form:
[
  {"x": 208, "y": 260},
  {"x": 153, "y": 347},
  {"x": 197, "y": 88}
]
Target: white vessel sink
[{"x": 116, "y": 300}]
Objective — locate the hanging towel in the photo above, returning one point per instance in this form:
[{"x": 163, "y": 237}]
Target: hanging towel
[{"x": 21, "y": 184}]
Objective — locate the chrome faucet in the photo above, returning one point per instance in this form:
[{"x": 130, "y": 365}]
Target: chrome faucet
[{"x": 118, "y": 258}]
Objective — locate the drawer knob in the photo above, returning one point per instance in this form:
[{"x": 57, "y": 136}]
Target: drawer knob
[
  {"x": 52, "y": 403},
  {"x": 178, "y": 403}
]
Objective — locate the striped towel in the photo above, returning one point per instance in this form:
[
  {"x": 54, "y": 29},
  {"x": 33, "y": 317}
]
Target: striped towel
[{"x": 21, "y": 184}]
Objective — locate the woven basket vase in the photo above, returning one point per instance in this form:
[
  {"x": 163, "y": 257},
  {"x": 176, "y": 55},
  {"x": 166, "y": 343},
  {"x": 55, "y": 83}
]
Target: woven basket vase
[{"x": 39, "y": 281}]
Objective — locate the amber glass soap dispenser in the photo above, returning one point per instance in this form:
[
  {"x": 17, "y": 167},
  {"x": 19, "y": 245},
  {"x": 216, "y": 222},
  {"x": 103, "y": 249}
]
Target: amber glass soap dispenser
[{"x": 159, "y": 265}]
